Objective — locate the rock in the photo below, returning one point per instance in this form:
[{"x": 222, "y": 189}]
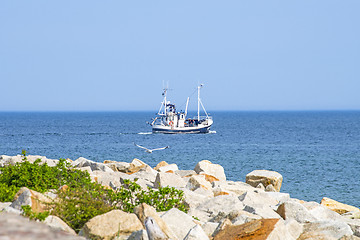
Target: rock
[
  {"x": 264, "y": 211},
  {"x": 170, "y": 167},
  {"x": 4, "y": 205},
  {"x": 222, "y": 225},
  {"x": 209, "y": 228},
  {"x": 168, "y": 179},
  {"x": 196, "y": 233},
  {"x": 231, "y": 188},
  {"x": 257, "y": 229},
  {"x": 278, "y": 196},
  {"x": 111, "y": 224},
  {"x": 354, "y": 225},
  {"x": 210, "y": 208},
  {"x": 352, "y": 215},
  {"x": 57, "y": 223},
  {"x": 261, "y": 186},
  {"x": 179, "y": 222},
  {"x": 83, "y": 162},
  {"x": 153, "y": 230},
  {"x": 257, "y": 199},
  {"x": 139, "y": 235},
  {"x": 265, "y": 177},
  {"x": 108, "y": 178},
  {"x": 197, "y": 181},
  {"x": 325, "y": 230},
  {"x": 185, "y": 173},
  {"x": 338, "y": 207},
  {"x": 160, "y": 164},
  {"x": 87, "y": 169},
  {"x": 143, "y": 211},
  {"x": 320, "y": 212},
  {"x": 209, "y": 168},
  {"x": 117, "y": 166},
  {"x": 17, "y": 227},
  {"x": 296, "y": 211},
  {"x": 193, "y": 199},
  {"x": 270, "y": 188},
  {"x": 37, "y": 201}
]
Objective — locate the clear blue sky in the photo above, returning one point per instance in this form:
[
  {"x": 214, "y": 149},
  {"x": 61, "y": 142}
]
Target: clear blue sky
[{"x": 115, "y": 55}]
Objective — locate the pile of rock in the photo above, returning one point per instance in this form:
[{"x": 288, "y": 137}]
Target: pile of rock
[{"x": 218, "y": 209}]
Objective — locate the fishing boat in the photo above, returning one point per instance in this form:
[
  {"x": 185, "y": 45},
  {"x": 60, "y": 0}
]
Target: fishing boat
[{"x": 168, "y": 120}]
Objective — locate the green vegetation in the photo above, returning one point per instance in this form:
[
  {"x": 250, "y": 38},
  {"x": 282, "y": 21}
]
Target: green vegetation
[
  {"x": 27, "y": 212},
  {"x": 81, "y": 199}
]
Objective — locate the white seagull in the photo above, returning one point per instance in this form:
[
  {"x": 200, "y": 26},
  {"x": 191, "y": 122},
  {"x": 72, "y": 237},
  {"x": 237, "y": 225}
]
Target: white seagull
[{"x": 151, "y": 150}]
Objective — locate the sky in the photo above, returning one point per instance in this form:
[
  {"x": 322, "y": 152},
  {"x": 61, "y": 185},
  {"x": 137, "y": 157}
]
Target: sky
[{"x": 116, "y": 55}]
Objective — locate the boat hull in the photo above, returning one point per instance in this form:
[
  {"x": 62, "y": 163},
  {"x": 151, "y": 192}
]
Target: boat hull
[{"x": 170, "y": 130}]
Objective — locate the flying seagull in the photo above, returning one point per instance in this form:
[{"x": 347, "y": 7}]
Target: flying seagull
[{"x": 150, "y": 150}]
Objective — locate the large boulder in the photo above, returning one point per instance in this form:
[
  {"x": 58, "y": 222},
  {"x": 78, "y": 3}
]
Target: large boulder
[
  {"x": 265, "y": 177},
  {"x": 57, "y": 223},
  {"x": 118, "y": 166},
  {"x": 179, "y": 222},
  {"x": 197, "y": 181},
  {"x": 111, "y": 224},
  {"x": 269, "y": 229},
  {"x": 144, "y": 211},
  {"x": 230, "y": 188},
  {"x": 169, "y": 168},
  {"x": 169, "y": 179},
  {"x": 296, "y": 211},
  {"x": 211, "y": 208},
  {"x": 209, "y": 168},
  {"x": 257, "y": 198},
  {"x": 153, "y": 230},
  {"x": 338, "y": 207},
  {"x": 196, "y": 233},
  {"x": 15, "y": 227},
  {"x": 325, "y": 230},
  {"x": 37, "y": 201},
  {"x": 83, "y": 162}
]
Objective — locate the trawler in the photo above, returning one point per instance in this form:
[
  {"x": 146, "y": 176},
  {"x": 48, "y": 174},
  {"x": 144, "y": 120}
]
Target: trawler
[{"x": 168, "y": 120}]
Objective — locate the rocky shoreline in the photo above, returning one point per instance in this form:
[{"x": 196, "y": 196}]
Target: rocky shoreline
[{"x": 218, "y": 209}]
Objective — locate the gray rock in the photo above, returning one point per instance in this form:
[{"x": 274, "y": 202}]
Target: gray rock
[
  {"x": 179, "y": 222},
  {"x": 22, "y": 200},
  {"x": 196, "y": 233},
  {"x": 153, "y": 230},
  {"x": 139, "y": 235}
]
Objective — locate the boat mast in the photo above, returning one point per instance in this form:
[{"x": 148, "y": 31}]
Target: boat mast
[
  {"x": 199, "y": 101},
  {"x": 186, "y": 108}
]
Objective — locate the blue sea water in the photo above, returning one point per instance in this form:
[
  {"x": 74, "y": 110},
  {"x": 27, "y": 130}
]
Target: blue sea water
[{"x": 317, "y": 153}]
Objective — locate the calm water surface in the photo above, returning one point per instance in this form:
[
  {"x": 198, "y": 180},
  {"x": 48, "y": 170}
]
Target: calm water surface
[{"x": 318, "y": 153}]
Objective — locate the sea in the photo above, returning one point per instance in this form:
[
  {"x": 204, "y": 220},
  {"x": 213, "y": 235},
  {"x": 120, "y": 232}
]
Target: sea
[{"x": 316, "y": 152}]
